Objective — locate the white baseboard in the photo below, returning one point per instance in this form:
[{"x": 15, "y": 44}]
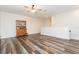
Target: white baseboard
[
  {"x": 76, "y": 38},
  {"x": 61, "y": 37},
  {"x": 7, "y": 37},
  {"x": 3, "y": 37}
]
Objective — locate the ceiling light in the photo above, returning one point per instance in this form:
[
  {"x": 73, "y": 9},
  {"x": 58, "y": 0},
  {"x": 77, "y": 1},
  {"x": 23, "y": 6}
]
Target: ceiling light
[{"x": 33, "y": 11}]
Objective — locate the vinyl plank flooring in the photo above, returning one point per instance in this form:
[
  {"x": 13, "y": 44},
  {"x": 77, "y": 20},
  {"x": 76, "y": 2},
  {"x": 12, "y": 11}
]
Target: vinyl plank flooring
[{"x": 38, "y": 44}]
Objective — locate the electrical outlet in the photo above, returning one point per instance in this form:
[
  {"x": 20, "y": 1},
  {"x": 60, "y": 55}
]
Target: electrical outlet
[{"x": 69, "y": 30}]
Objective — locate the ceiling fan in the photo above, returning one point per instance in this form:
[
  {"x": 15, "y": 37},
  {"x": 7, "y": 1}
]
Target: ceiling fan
[{"x": 34, "y": 9}]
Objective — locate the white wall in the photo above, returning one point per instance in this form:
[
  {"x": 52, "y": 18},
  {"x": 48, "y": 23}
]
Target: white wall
[
  {"x": 0, "y": 23},
  {"x": 8, "y": 24},
  {"x": 68, "y": 19},
  {"x": 46, "y": 23},
  {"x": 60, "y": 32}
]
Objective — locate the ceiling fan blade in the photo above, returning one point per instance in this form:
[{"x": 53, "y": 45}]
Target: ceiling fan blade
[
  {"x": 28, "y": 11},
  {"x": 45, "y": 10},
  {"x": 26, "y": 6},
  {"x": 39, "y": 9}
]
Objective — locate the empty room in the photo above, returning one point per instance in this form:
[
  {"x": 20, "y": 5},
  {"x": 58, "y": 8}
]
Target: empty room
[{"x": 39, "y": 29}]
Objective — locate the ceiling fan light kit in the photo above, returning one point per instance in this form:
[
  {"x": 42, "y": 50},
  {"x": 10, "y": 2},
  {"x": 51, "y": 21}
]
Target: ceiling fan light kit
[{"x": 34, "y": 9}]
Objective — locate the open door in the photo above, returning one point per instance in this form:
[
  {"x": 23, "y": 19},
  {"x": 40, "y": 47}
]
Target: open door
[{"x": 21, "y": 28}]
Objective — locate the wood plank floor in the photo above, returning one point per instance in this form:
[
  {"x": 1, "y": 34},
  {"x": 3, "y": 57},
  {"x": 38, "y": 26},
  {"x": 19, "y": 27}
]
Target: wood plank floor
[{"x": 38, "y": 44}]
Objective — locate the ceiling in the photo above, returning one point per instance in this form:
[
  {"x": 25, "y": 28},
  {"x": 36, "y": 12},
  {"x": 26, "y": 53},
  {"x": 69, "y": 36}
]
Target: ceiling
[{"x": 51, "y": 10}]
